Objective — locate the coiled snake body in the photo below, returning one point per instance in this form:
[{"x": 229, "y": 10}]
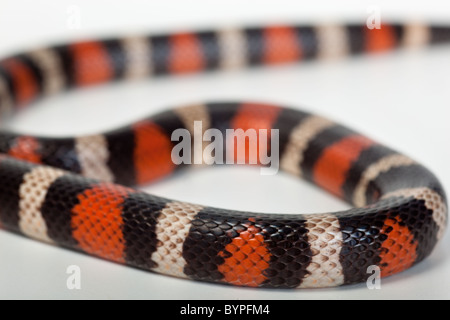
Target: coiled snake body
[{"x": 70, "y": 191}]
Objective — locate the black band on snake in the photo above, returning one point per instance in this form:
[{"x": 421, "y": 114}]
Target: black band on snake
[{"x": 76, "y": 192}]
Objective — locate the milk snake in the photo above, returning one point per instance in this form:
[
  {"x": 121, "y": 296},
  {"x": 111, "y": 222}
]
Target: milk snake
[{"x": 75, "y": 192}]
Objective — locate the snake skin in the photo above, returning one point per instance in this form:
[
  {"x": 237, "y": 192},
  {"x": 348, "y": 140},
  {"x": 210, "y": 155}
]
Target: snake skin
[{"x": 77, "y": 192}]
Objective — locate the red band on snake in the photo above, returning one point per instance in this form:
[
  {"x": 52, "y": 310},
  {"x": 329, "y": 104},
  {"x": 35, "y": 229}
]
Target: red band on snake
[{"x": 68, "y": 191}]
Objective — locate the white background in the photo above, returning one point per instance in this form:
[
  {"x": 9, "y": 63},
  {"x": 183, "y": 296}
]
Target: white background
[{"x": 399, "y": 98}]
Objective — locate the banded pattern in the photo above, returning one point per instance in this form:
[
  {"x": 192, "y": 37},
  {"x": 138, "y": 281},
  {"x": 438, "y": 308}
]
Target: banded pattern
[
  {"x": 325, "y": 238},
  {"x": 172, "y": 229},
  {"x": 69, "y": 191},
  {"x": 93, "y": 155},
  {"x": 32, "y": 193},
  {"x": 48, "y": 65}
]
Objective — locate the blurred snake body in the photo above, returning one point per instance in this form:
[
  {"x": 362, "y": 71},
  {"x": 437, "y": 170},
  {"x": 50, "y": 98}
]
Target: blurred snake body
[{"x": 77, "y": 192}]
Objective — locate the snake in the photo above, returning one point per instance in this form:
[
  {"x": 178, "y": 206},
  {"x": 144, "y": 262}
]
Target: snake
[{"x": 81, "y": 192}]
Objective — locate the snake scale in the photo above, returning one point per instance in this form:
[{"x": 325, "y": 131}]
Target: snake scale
[{"x": 77, "y": 192}]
